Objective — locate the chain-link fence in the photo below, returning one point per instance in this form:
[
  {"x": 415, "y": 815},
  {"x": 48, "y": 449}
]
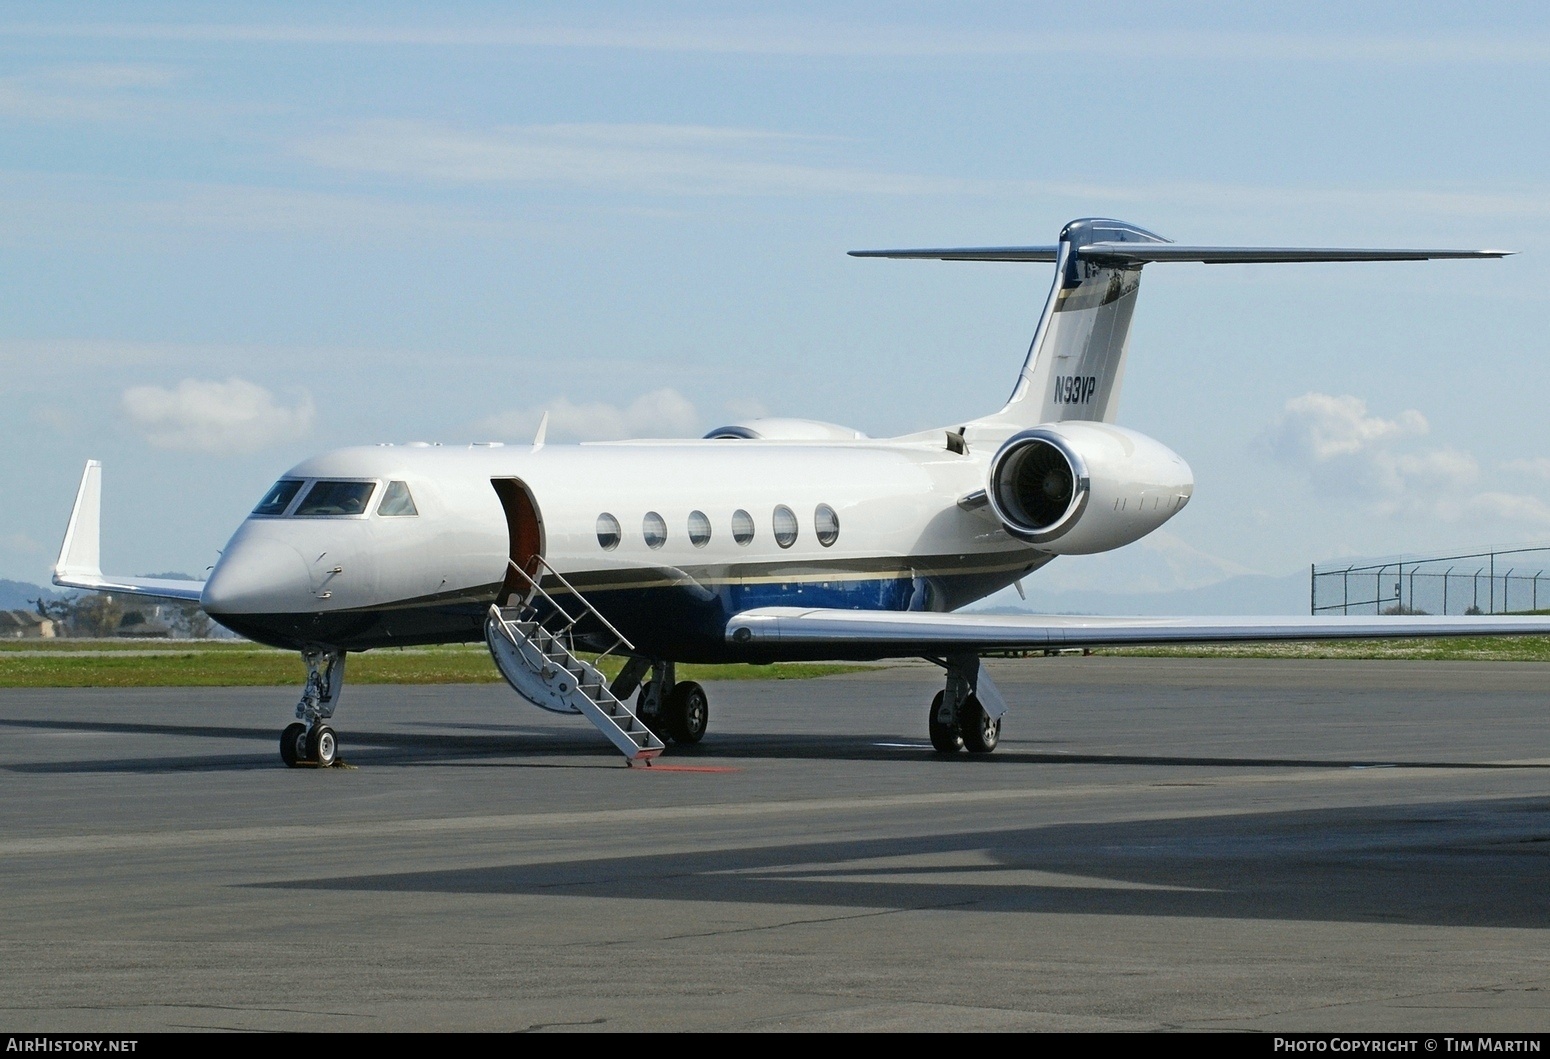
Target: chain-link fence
[{"x": 1506, "y": 581}]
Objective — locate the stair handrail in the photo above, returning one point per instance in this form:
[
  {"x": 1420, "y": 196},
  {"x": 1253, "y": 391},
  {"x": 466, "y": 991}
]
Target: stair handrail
[{"x": 619, "y": 638}]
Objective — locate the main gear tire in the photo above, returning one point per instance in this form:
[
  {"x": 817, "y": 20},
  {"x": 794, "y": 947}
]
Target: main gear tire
[
  {"x": 293, "y": 744},
  {"x": 322, "y": 746},
  {"x": 688, "y": 713},
  {"x": 981, "y": 732},
  {"x": 945, "y": 736}
]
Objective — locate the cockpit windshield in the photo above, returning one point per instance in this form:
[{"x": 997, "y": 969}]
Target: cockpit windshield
[
  {"x": 278, "y": 498},
  {"x": 335, "y": 498}
]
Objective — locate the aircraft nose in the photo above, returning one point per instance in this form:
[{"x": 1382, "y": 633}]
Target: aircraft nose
[{"x": 257, "y": 576}]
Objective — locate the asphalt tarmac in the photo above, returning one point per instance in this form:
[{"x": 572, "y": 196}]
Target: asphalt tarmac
[{"x": 1157, "y": 844}]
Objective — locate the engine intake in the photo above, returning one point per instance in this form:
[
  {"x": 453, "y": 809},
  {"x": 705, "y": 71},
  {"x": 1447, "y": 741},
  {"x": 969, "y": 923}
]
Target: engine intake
[{"x": 1039, "y": 485}]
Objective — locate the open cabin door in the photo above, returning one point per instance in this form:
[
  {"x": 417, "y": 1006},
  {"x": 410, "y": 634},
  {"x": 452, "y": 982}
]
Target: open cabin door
[{"x": 526, "y": 529}]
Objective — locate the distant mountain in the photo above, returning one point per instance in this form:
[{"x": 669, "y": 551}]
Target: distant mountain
[
  {"x": 1245, "y": 594},
  {"x": 18, "y": 595}
]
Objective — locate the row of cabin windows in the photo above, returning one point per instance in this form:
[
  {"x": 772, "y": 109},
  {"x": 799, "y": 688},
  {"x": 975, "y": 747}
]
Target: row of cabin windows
[
  {"x": 783, "y": 524},
  {"x": 333, "y": 497}
]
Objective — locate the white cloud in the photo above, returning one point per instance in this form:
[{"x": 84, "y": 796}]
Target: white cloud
[
  {"x": 827, "y": 37},
  {"x": 1322, "y": 426},
  {"x": 54, "y": 418},
  {"x": 741, "y": 408},
  {"x": 1533, "y": 467},
  {"x": 663, "y": 159},
  {"x": 84, "y": 92},
  {"x": 1347, "y": 451},
  {"x": 1510, "y": 507},
  {"x": 205, "y": 415},
  {"x": 663, "y": 413},
  {"x": 20, "y": 542}
]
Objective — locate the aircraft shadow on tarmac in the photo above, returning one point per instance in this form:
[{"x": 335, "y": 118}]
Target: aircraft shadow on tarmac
[
  {"x": 516, "y": 746},
  {"x": 1478, "y": 864}
]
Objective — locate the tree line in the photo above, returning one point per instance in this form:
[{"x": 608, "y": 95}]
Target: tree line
[{"x": 102, "y": 614}]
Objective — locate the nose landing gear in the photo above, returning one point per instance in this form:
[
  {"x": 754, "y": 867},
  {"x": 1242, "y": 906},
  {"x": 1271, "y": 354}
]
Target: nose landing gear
[{"x": 309, "y": 741}]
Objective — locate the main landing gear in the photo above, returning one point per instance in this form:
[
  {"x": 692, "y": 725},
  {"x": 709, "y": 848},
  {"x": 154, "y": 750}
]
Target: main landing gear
[
  {"x": 965, "y": 715},
  {"x": 310, "y": 741},
  {"x": 674, "y": 709}
]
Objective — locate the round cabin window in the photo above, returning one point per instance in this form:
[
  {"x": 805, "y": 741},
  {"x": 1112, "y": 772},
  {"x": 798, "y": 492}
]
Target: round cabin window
[
  {"x": 654, "y": 529},
  {"x": 785, "y": 526},
  {"x": 608, "y": 532},
  {"x": 699, "y": 529},
  {"x": 826, "y": 524},
  {"x": 742, "y": 527}
]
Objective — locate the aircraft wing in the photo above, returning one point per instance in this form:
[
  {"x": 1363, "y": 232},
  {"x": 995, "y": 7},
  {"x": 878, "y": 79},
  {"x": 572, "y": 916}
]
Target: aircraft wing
[
  {"x": 80, "y": 565},
  {"x": 894, "y": 633}
]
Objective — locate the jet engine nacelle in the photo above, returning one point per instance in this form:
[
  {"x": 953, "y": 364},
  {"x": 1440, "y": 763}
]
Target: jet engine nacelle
[{"x": 1076, "y": 488}]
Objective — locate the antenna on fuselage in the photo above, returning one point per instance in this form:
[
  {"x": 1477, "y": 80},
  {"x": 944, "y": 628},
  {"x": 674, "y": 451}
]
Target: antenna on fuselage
[{"x": 543, "y": 428}]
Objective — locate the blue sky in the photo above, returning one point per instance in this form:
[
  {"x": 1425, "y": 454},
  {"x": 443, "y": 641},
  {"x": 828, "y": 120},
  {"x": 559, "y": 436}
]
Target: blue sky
[{"x": 231, "y": 237}]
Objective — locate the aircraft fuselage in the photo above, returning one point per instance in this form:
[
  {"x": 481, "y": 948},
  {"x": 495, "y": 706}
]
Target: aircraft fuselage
[{"x": 705, "y": 530}]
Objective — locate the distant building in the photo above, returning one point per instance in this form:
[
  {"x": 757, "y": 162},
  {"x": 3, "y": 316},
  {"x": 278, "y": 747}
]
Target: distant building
[
  {"x": 25, "y": 625},
  {"x": 147, "y": 623}
]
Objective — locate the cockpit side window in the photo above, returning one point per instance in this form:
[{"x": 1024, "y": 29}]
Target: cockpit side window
[
  {"x": 397, "y": 501},
  {"x": 335, "y": 498},
  {"x": 279, "y": 497}
]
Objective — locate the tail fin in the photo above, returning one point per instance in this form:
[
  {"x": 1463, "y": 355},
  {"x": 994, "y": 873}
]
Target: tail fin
[{"x": 1077, "y": 360}]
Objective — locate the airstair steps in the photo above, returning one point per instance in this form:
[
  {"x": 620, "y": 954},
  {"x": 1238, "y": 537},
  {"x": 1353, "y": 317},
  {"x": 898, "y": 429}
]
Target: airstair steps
[{"x": 540, "y": 664}]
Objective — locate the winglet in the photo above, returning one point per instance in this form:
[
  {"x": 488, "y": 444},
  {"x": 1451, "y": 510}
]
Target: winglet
[
  {"x": 80, "y": 556},
  {"x": 543, "y": 429}
]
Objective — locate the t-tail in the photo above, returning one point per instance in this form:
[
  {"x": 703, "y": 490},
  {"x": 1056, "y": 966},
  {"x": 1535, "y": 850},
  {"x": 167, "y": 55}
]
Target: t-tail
[{"x": 1076, "y": 362}]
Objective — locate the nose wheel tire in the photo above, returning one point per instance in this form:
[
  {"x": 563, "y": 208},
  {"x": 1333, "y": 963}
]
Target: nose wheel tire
[
  {"x": 322, "y": 746},
  {"x": 293, "y": 745},
  {"x": 688, "y": 712},
  {"x": 981, "y": 732},
  {"x": 945, "y": 736}
]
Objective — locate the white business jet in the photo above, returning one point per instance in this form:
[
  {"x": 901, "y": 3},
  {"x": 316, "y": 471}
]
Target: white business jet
[{"x": 775, "y": 539}]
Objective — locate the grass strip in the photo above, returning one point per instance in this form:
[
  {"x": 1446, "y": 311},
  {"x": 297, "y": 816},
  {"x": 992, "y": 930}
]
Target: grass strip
[
  {"x": 149, "y": 664},
  {"x": 173, "y": 663},
  {"x": 1449, "y": 649}
]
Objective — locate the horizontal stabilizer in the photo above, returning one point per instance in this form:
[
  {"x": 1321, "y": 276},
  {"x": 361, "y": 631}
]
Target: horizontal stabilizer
[
  {"x": 1083, "y": 333},
  {"x": 1145, "y": 253},
  {"x": 970, "y": 253},
  {"x": 80, "y": 563},
  {"x": 896, "y": 634}
]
